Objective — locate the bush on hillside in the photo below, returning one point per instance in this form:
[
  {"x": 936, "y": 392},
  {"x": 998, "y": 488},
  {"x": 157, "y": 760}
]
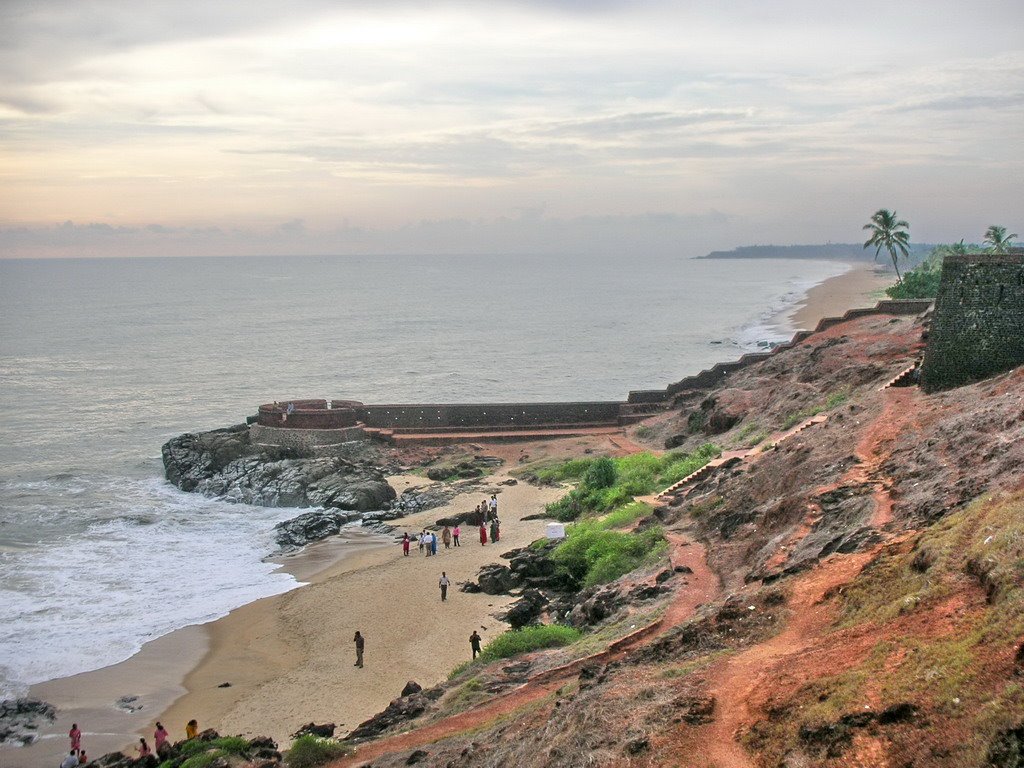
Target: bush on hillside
[
  {"x": 592, "y": 555},
  {"x": 516, "y": 641},
  {"x": 310, "y": 751},
  {"x": 607, "y": 483}
]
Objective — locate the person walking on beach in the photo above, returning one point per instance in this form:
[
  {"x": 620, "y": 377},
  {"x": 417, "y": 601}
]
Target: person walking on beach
[
  {"x": 495, "y": 529},
  {"x": 192, "y": 729},
  {"x": 493, "y": 504},
  {"x": 443, "y": 584},
  {"x": 483, "y": 534},
  {"x": 405, "y": 544},
  {"x": 446, "y": 537},
  {"x": 474, "y": 643},
  {"x": 160, "y": 739},
  {"x": 360, "y": 644},
  {"x": 75, "y": 734},
  {"x": 425, "y": 543},
  {"x": 455, "y": 535},
  {"x": 70, "y": 761},
  {"x": 433, "y": 543}
]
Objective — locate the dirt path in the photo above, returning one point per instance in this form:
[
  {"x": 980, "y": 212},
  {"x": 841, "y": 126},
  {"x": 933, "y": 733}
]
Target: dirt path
[
  {"x": 702, "y": 586},
  {"x": 734, "y": 682},
  {"x": 872, "y": 451}
]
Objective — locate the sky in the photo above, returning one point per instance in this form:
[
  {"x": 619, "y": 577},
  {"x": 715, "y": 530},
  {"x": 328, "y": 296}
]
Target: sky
[{"x": 193, "y": 127}]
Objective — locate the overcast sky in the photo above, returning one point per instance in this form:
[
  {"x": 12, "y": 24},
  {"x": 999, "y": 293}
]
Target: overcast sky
[{"x": 317, "y": 126}]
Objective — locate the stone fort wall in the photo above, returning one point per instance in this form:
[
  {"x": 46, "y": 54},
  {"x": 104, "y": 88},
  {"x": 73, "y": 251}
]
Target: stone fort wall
[{"x": 977, "y": 329}]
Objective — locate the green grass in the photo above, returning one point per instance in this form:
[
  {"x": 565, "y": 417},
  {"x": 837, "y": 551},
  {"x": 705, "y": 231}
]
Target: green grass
[
  {"x": 310, "y": 751},
  {"x": 516, "y": 641},
  {"x": 644, "y": 431},
  {"x": 203, "y": 759},
  {"x": 591, "y": 554},
  {"x": 605, "y": 483},
  {"x": 625, "y": 516}
]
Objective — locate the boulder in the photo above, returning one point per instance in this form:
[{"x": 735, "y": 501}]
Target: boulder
[
  {"x": 595, "y": 605},
  {"x": 527, "y": 609},
  {"x": 324, "y": 731},
  {"x": 311, "y": 526},
  {"x": 400, "y": 710},
  {"x": 20, "y": 718},
  {"x": 496, "y": 579},
  {"x": 411, "y": 687}
]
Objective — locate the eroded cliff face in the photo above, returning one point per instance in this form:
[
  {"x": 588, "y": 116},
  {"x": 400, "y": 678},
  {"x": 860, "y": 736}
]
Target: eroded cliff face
[{"x": 869, "y": 605}]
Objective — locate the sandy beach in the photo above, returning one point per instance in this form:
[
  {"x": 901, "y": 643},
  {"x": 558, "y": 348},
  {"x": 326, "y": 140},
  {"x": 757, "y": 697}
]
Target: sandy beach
[
  {"x": 289, "y": 658},
  {"x": 861, "y": 286}
]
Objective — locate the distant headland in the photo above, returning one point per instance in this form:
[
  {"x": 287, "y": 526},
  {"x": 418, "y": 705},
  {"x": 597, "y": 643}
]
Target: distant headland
[{"x": 836, "y": 251}]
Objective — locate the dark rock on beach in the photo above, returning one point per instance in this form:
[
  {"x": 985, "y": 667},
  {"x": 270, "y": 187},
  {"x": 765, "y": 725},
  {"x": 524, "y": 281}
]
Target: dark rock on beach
[
  {"x": 496, "y": 579},
  {"x": 324, "y": 731},
  {"x": 20, "y": 719},
  {"x": 399, "y": 711}
]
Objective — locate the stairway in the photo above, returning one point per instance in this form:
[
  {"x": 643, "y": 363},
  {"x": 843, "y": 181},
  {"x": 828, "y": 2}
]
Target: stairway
[{"x": 731, "y": 458}]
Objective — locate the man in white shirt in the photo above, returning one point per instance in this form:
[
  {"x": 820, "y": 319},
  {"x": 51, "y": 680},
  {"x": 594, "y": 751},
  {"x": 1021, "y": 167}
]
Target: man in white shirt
[
  {"x": 71, "y": 761},
  {"x": 443, "y": 584}
]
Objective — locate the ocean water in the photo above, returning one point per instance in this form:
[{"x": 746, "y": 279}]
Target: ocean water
[{"x": 103, "y": 360}]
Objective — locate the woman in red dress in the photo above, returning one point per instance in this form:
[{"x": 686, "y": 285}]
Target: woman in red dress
[{"x": 483, "y": 534}]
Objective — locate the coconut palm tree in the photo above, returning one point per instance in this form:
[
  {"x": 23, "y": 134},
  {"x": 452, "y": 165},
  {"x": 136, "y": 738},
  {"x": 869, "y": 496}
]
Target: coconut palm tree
[
  {"x": 997, "y": 240},
  {"x": 889, "y": 232}
]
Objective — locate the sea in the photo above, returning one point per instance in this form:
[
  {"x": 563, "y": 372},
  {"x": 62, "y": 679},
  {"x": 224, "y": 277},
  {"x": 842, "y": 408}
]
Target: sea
[{"x": 104, "y": 360}]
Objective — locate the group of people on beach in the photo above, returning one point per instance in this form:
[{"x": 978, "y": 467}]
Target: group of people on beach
[
  {"x": 486, "y": 515},
  {"x": 145, "y": 754}
]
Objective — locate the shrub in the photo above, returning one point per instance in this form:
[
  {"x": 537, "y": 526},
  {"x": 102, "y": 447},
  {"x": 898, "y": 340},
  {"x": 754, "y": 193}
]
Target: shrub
[
  {"x": 609, "y": 483},
  {"x": 203, "y": 759},
  {"x": 592, "y": 555},
  {"x": 600, "y": 474},
  {"x": 309, "y": 751},
  {"x": 516, "y": 641},
  {"x": 233, "y": 745}
]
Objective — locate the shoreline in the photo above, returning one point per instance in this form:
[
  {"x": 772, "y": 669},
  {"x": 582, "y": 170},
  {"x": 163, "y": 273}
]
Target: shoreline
[{"x": 859, "y": 286}]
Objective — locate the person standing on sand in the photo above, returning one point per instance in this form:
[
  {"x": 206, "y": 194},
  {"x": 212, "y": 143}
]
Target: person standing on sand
[
  {"x": 443, "y": 584},
  {"x": 192, "y": 729},
  {"x": 360, "y": 643},
  {"x": 483, "y": 534},
  {"x": 75, "y": 734},
  {"x": 433, "y": 544},
  {"x": 405, "y": 544},
  {"x": 455, "y": 535},
  {"x": 446, "y": 537},
  {"x": 474, "y": 643},
  {"x": 70, "y": 761},
  {"x": 493, "y": 504},
  {"x": 495, "y": 529},
  {"x": 160, "y": 739}
]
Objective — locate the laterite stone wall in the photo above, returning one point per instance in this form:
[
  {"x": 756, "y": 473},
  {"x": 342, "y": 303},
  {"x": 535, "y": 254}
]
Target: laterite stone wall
[{"x": 977, "y": 328}]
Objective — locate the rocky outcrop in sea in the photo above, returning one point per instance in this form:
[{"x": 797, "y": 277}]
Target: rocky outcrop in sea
[{"x": 226, "y": 464}]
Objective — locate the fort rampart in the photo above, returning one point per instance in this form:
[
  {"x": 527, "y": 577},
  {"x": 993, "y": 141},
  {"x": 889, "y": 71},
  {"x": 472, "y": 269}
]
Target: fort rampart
[
  {"x": 977, "y": 329},
  {"x": 342, "y": 420}
]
